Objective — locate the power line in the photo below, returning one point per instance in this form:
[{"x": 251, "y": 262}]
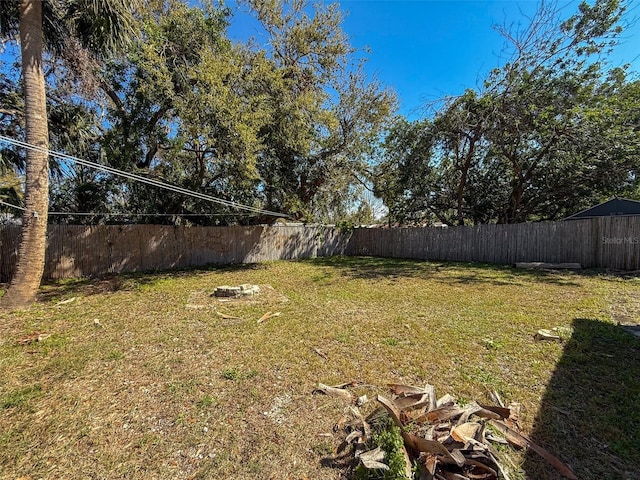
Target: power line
[
  {"x": 139, "y": 178},
  {"x": 131, "y": 214},
  {"x": 13, "y": 206},
  {"x": 108, "y": 214}
]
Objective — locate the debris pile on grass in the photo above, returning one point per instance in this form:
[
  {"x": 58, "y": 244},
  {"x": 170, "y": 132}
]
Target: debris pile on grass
[
  {"x": 245, "y": 294},
  {"x": 246, "y": 289},
  {"x": 413, "y": 434}
]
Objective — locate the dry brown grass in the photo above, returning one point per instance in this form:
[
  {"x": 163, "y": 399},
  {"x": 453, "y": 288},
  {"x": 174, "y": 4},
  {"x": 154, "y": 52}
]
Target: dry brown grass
[{"x": 163, "y": 387}]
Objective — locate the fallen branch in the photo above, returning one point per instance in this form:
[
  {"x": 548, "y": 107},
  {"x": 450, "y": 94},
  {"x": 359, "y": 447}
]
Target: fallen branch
[
  {"x": 33, "y": 338},
  {"x": 496, "y": 398},
  {"x": 335, "y": 392},
  {"x": 523, "y": 442},
  {"x": 227, "y": 316},
  {"x": 320, "y": 353},
  {"x": 64, "y": 302},
  {"x": 420, "y": 444},
  {"x": 547, "y": 335},
  {"x": 269, "y": 315}
]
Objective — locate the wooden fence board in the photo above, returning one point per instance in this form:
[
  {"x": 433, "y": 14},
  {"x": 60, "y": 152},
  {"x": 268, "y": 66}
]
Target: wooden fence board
[
  {"x": 611, "y": 242},
  {"x": 76, "y": 250}
]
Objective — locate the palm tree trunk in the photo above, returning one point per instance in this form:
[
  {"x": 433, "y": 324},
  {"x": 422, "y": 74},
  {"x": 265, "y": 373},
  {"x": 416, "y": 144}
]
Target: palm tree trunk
[{"x": 31, "y": 254}]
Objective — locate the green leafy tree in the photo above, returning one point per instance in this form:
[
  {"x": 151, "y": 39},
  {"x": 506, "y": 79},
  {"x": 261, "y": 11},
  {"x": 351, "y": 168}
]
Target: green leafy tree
[
  {"x": 187, "y": 106},
  {"x": 541, "y": 130},
  {"x": 552, "y": 131},
  {"x": 325, "y": 118},
  {"x": 406, "y": 179},
  {"x": 289, "y": 128}
]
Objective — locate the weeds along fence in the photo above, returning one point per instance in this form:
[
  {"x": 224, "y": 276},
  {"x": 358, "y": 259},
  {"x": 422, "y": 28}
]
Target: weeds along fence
[{"x": 82, "y": 251}]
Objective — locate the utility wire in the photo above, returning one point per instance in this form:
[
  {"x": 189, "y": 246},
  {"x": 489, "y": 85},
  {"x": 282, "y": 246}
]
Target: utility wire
[
  {"x": 107, "y": 214},
  {"x": 12, "y": 205},
  {"x": 139, "y": 178},
  {"x": 112, "y": 214}
]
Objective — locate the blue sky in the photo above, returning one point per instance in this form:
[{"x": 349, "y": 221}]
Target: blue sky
[{"x": 428, "y": 49}]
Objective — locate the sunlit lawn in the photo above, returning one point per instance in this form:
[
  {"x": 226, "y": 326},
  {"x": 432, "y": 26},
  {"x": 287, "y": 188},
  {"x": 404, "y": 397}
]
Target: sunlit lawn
[{"x": 141, "y": 378}]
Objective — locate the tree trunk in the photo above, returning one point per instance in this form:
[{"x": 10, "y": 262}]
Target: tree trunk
[{"x": 31, "y": 254}]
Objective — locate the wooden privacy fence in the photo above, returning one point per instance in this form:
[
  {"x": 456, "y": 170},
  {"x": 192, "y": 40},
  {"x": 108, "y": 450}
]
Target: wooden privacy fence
[
  {"x": 79, "y": 251},
  {"x": 605, "y": 242}
]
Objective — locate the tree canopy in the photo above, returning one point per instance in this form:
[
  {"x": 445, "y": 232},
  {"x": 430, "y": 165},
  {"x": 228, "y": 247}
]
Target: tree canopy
[
  {"x": 287, "y": 127},
  {"x": 553, "y": 131},
  {"x": 294, "y": 124}
]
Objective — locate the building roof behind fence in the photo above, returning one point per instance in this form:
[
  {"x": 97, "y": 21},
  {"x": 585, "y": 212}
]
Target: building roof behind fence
[{"x": 614, "y": 207}]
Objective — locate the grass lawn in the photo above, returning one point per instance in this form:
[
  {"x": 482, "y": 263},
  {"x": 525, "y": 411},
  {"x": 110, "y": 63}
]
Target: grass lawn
[{"x": 141, "y": 378}]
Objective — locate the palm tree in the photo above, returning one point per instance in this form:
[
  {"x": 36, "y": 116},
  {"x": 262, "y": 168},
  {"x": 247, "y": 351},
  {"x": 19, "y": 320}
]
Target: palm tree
[{"x": 99, "y": 25}]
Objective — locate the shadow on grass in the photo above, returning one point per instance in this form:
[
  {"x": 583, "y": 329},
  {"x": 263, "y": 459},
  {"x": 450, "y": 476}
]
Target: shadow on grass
[
  {"x": 456, "y": 272},
  {"x": 344, "y": 462},
  {"x": 590, "y": 412},
  {"x": 58, "y": 289},
  {"x": 353, "y": 267}
]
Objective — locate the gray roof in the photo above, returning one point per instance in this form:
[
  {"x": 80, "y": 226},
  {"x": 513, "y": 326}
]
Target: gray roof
[{"x": 614, "y": 207}]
